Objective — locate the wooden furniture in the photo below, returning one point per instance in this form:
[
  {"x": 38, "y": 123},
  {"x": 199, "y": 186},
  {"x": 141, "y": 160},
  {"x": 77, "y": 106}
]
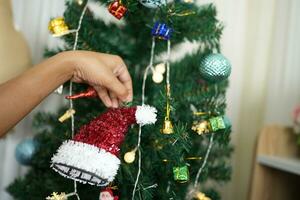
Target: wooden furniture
[{"x": 276, "y": 171}]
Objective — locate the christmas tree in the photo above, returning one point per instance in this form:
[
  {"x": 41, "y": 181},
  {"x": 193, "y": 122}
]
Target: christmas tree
[{"x": 185, "y": 155}]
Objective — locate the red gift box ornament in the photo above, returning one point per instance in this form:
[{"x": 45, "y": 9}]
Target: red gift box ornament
[{"x": 117, "y": 9}]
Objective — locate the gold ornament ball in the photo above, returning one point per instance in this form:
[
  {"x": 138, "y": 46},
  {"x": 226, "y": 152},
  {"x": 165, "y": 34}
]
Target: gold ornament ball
[
  {"x": 157, "y": 77},
  {"x": 160, "y": 68},
  {"x": 129, "y": 157}
]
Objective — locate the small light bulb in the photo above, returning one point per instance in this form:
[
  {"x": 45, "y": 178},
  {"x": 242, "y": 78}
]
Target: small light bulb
[
  {"x": 160, "y": 68},
  {"x": 129, "y": 157},
  {"x": 157, "y": 77}
]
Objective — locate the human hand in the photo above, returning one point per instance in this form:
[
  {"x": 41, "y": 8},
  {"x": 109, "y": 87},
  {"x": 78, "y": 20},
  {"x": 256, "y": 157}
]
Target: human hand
[{"x": 106, "y": 73}]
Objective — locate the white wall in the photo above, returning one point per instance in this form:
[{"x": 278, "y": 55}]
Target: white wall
[
  {"x": 261, "y": 38},
  {"x": 31, "y": 18}
]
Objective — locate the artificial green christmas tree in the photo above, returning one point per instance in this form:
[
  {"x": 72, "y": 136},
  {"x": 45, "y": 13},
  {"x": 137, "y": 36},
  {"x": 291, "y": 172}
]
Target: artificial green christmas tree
[{"x": 188, "y": 147}]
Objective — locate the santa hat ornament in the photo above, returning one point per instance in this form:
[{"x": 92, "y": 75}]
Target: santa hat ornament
[
  {"x": 92, "y": 155},
  {"x": 107, "y": 194}
]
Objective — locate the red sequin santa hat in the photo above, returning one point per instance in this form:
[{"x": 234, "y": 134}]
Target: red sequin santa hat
[{"x": 92, "y": 155}]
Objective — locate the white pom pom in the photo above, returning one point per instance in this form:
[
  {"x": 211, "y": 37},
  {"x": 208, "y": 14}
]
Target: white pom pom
[{"x": 145, "y": 114}]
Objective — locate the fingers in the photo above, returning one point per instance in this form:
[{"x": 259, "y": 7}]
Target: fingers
[
  {"x": 115, "y": 86},
  {"x": 103, "y": 95},
  {"x": 124, "y": 76},
  {"x": 111, "y": 78},
  {"x": 114, "y": 99}
]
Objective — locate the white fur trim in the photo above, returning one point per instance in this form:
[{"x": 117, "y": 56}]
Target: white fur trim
[
  {"x": 145, "y": 114},
  {"x": 79, "y": 158}
]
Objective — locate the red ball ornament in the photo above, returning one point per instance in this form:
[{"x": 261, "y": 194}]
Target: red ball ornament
[{"x": 117, "y": 9}]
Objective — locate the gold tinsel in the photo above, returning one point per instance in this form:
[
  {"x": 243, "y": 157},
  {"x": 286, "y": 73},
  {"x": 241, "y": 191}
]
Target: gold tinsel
[
  {"x": 201, "y": 127},
  {"x": 58, "y": 27},
  {"x": 57, "y": 196}
]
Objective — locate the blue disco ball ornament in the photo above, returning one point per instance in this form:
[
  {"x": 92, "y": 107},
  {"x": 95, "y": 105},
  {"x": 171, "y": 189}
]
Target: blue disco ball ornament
[
  {"x": 25, "y": 151},
  {"x": 215, "y": 68}
]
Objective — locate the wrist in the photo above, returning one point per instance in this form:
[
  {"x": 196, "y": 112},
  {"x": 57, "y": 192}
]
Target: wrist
[{"x": 67, "y": 64}]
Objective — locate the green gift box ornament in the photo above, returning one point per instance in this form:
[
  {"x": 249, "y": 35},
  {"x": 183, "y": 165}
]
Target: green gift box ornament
[
  {"x": 213, "y": 124},
  {"x": 181, "y": 174},
  {"x": 217, "y": 123}
]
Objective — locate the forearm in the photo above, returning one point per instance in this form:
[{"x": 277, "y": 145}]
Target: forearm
[{"x": 21, "y": 94}]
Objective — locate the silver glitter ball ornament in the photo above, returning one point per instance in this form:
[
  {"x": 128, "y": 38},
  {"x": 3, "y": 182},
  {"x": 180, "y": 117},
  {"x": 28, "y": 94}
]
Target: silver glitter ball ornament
[{"x": 215, "y": 67}]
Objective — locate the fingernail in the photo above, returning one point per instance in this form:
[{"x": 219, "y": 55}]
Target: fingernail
[
  {"x": 129, "y": 99},
  {"x": 115, "y": 104},
  {"x": 108, "y": 104}
]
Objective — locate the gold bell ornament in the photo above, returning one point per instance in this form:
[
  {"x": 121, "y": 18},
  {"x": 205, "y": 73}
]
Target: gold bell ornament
[{"x": 167, "y": 126}]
